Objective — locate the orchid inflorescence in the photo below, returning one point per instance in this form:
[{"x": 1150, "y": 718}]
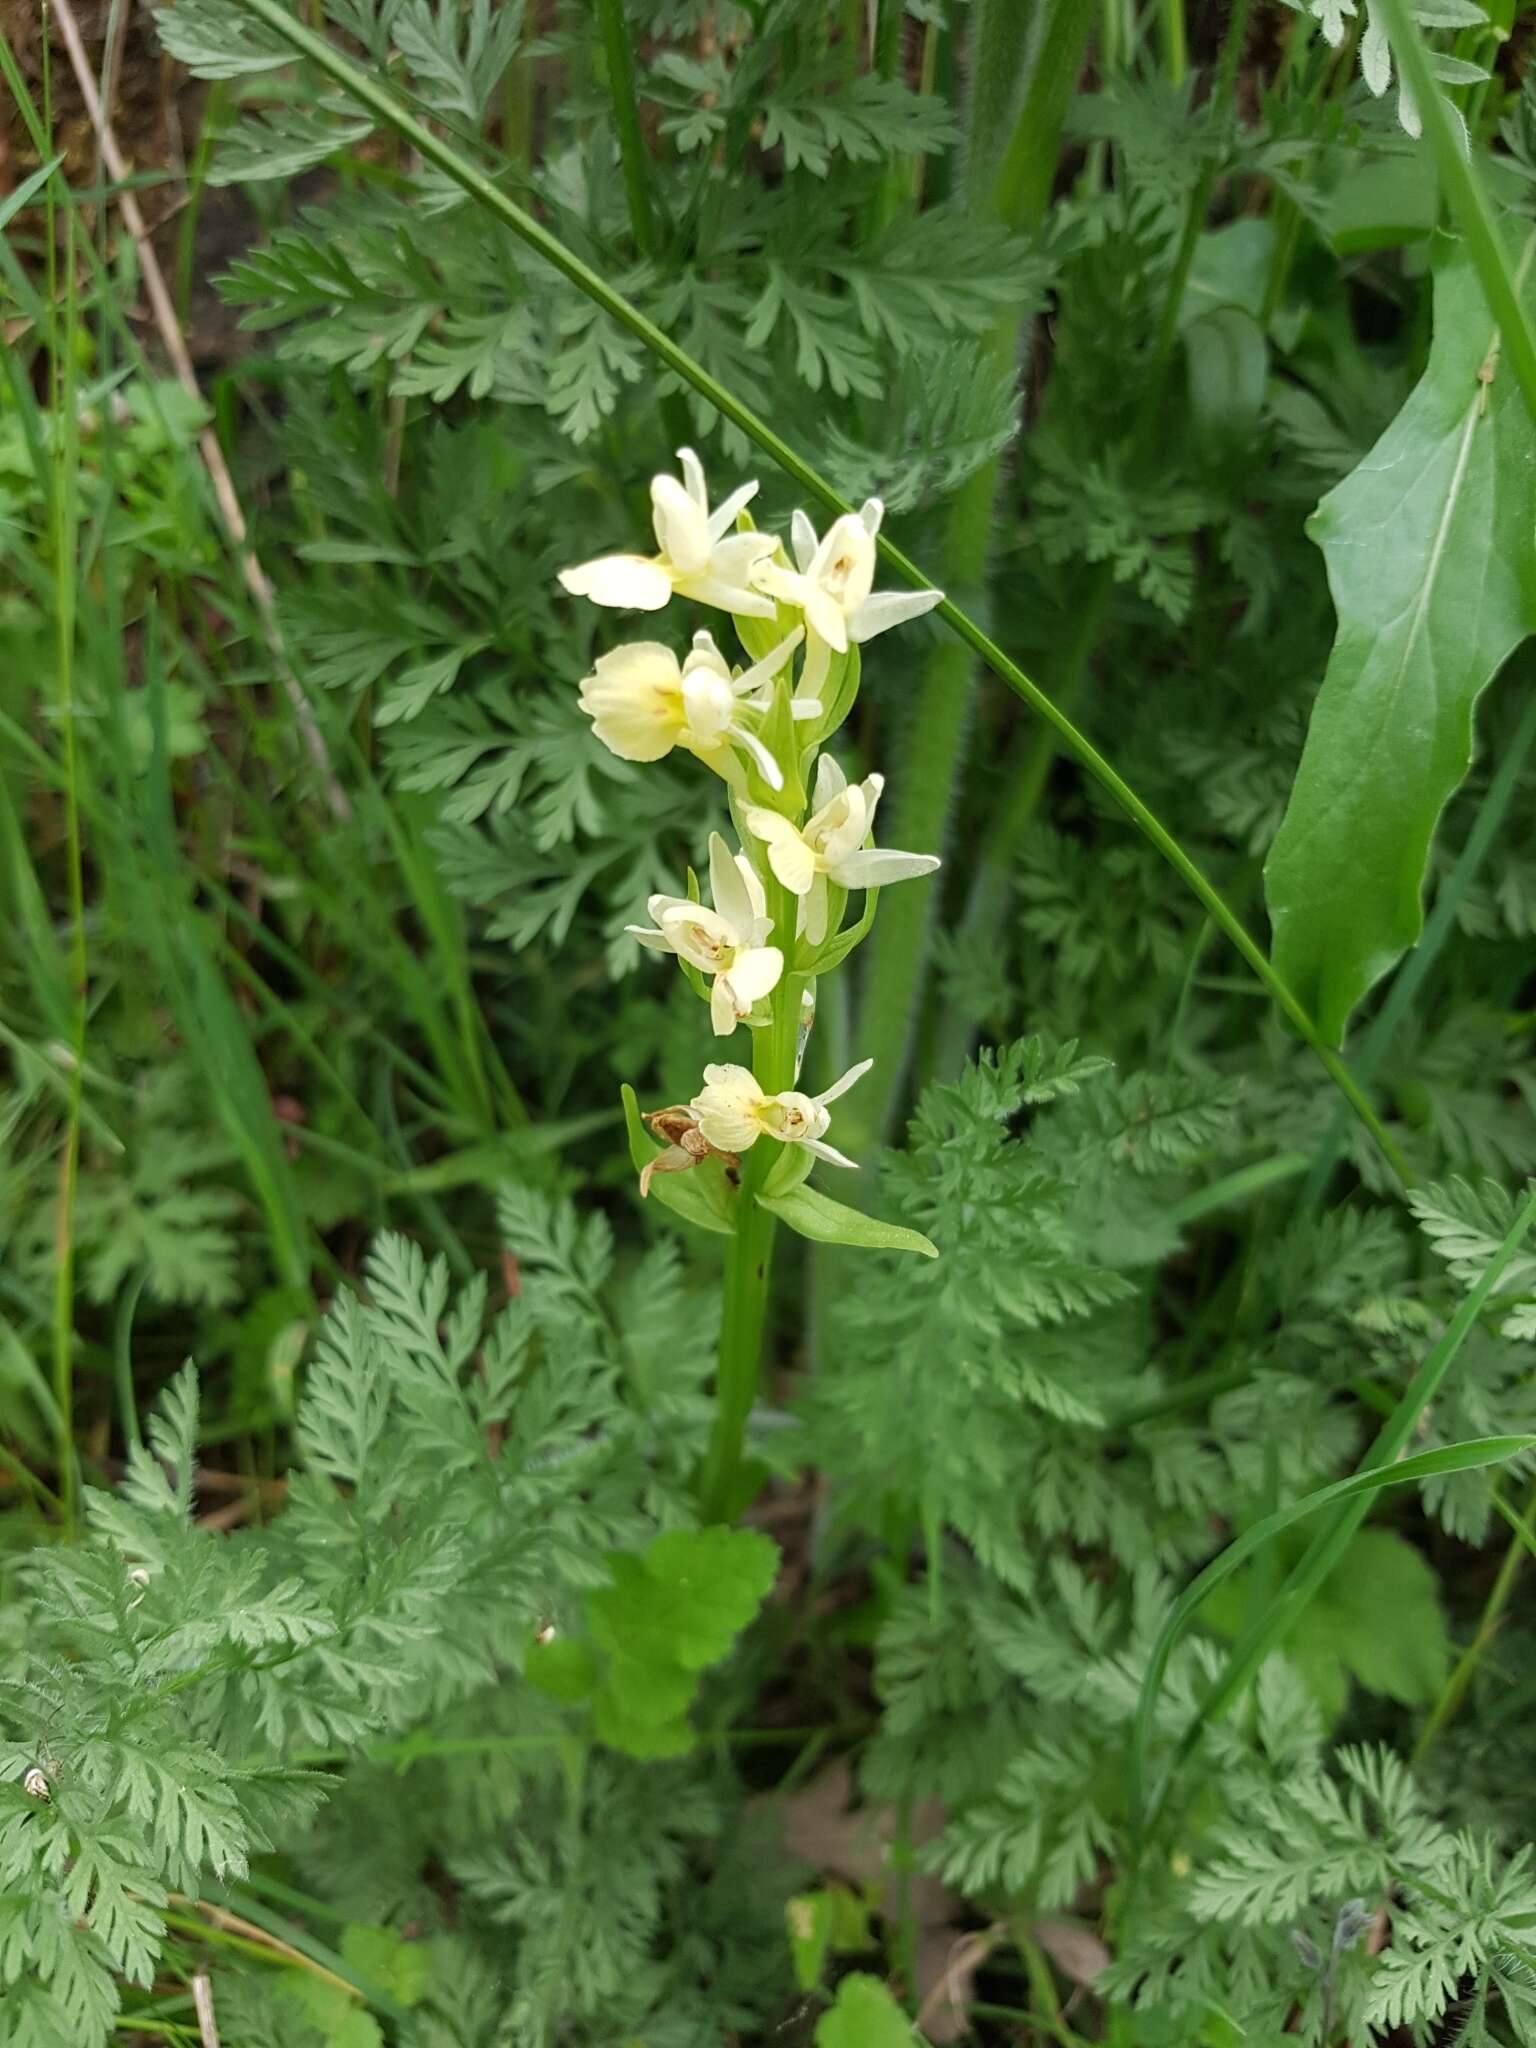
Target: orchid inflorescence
[{"x": 804, "y": 830}]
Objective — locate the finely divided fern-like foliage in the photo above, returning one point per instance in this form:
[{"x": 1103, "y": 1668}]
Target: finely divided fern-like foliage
[{"x": 462, "y": 1479}]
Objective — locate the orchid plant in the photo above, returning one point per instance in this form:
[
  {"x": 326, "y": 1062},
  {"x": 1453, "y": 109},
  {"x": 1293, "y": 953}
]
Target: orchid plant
[{"x": 778, "y": 918}]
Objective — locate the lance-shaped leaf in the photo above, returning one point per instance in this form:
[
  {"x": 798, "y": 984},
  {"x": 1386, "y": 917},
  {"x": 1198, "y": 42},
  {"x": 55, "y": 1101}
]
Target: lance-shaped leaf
[{"x": 1429, "y": 545}]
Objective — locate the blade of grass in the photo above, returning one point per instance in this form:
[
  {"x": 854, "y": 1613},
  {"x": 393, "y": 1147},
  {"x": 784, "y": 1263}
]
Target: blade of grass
[
  {"x": 1355, "y": 1495},
  {"x": 381, "y": 102},
  {"x": 1380, "y": 1467},
  {"x": 207, "y": 1016},
  {"x": 63, "y": 510}
]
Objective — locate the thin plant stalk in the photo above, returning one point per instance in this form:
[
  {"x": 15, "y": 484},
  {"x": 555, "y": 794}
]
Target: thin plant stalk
[
  {"x": 494, "y": 201},
  {"x": 63, "y": 520},
  {"x": 1454, "y": 1691},
  {"x": 1175, "y": 42},
  {"x": 1465, "y": 194}
]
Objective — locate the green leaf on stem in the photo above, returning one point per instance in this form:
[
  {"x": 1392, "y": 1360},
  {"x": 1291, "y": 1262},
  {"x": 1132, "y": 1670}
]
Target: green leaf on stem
[
  {"x": 1428, "y": 545},
  {"x": 818, "y": 1217},
  {"x": 836, "y": 949}
]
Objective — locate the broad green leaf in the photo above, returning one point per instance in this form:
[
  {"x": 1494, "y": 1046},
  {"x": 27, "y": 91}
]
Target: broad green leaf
[
  {"x": 1430, "y": 560},
  {"x": 865, "y": 2016},
  {"x": 686, "y": 1597},
  {"x": 701, "y": 1195},
  {"x": 1227, "y": 361},
  {"x": 1379, "y": 205},
  {"x": 564, "y": 1668},
  {"x": 670, "y": 1613},
  {"x": 1376, "y": 1618},
  {"x": 817, "y": 1216}
]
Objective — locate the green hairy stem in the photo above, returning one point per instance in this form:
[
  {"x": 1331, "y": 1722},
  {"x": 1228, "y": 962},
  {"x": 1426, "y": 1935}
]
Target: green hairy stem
[
  {"x": 925, "y": 781},
  {"x": 749, "y": 1256}
]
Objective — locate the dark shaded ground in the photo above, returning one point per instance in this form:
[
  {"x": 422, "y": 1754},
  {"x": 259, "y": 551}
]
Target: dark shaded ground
[{"x": 155, "y": 112}]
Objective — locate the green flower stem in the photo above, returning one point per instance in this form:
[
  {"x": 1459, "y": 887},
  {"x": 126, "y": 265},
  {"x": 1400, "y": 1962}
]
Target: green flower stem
[
  {"x": 1463, "y": 190},
  {"x": 636, "y": 163},
  {"x": 433, "y": 149},
  {"x": 749, "y": 1256},
  {"x": 1021, "y": 784},
  {"x": 626, "y": 121},
  {"x": 1175, "y": 42}
]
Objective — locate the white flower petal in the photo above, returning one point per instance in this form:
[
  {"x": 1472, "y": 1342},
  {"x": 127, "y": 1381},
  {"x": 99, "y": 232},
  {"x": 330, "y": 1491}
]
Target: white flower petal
[
  {"x": 626, "y": 582},
  {"x": 802, "y": 539},
  {"x": 814, "y": 919},
  {"x": 681, "y": 528},
  {"x": 824, "y": 616},
  {"x": 708, "y": 703},
  {"x": 727, "y": 890},
  {"x": 725, "y": 1107},
  {"x": 844, "y": 1083},
  {"x": 768, "y": 768},
  {"x": 765, "y": 670},
  {"x": 788, "y": 855},
  {"x": 887, "y": 608},
  {"x": 871, "y": 512},
  {"x": 693, "y": 478},
  {"x": 724, "y": 1014},
  {"x": 700, "y": 935},
  {"x": 734, "y": 598},
  {"x": 1375, "y": 57},
  {"x": 822, "y": 1150},
  {"x": 723, "y": 518},
  {"x": 876, "y": 867},
  {"x": 830, "y": 782},
  {"x": 654, "y": 942},
  {"x": 753, "y": 974}
]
